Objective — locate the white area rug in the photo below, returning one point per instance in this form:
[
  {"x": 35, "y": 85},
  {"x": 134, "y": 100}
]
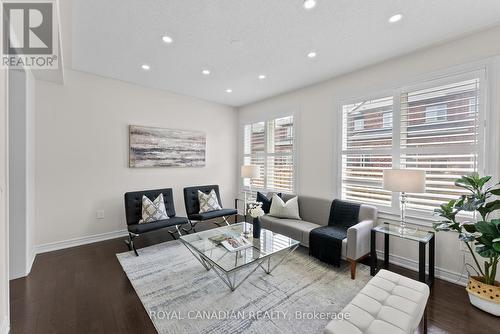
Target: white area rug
[{"x": 300, "y": 296}]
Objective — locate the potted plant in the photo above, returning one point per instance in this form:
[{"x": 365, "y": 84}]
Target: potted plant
[{"x": 484, "y": 235}]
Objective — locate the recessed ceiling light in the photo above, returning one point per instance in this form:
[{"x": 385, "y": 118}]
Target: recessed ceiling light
[
  {"x": 229, "y": 90},
  {"x": 146, "y": 67},
  {"x": 167, "y": 39},
  {"x": 311, "y": 54},
  {"x": 395, "y": 18},
  {"x": 309, "y": 4},
  {"x": 205, "y": 72},
  {"x": 262, "y": 76}
]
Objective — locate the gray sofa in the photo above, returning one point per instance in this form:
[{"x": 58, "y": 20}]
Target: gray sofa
[{"x": 315, "y": 212}]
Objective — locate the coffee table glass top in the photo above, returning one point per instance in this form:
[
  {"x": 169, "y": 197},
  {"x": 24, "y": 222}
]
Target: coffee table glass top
[
  {"x": 411, "y": 233},
  {"x": 269, "y": 243}
]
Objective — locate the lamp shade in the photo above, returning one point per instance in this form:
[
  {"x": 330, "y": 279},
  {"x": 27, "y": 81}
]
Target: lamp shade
[
  {"x": 404, "y": 180},
  {"x": 250, "y": 171}
]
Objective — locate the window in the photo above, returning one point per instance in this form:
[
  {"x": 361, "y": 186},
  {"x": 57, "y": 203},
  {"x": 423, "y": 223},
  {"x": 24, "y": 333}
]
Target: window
[
  {"x": 271, "y": 145},
  {"x": 366, "y": 153},
  {"x": 387, "y": 120},
  {"x": 437, "y": 131},
  {"x": 359, "y": 124},
  {"x": 435, "y": 113}
]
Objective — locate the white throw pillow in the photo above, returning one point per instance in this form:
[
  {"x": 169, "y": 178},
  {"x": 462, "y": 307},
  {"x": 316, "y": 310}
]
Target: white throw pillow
[
  {"x": 280, "y": 209},
  {"x": 208, "y": 202},
  {"x": 153, "y": 211}
]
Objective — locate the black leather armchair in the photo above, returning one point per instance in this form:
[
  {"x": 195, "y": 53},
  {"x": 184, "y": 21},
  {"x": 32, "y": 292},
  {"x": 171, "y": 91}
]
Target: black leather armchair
[
  {"x": 133, "y": 213},
  {"x": 193, "y": 206}
]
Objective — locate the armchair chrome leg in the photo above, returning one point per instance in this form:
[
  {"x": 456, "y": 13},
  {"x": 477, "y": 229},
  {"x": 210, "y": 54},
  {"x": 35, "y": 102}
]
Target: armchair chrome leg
[
  {"x": 172, "y": 233},
  {"x": 225, "y": 220},
  {"x": 191, "y": 227},
  {"x": 130, "y": 242}
]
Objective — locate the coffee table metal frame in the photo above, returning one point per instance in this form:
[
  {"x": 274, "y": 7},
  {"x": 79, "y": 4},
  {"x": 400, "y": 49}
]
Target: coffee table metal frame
[{"x": 229, "y": 277}]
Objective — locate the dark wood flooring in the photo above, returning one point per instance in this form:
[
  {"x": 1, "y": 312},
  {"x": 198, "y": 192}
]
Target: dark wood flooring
[{"x": 84, "y": 290}]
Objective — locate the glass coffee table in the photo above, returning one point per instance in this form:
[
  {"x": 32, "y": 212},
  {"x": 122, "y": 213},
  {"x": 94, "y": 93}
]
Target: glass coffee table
[{"x": 234, "y": 268}]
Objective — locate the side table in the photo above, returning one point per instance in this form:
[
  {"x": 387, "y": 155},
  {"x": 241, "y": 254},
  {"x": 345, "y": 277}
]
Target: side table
[{"x": 423, "y": 238}]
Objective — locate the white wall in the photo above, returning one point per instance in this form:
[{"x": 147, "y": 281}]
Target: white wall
[
  {"x": 30, "y": 171},
  {"x": 4, "y": 228},
  {"x": 317, "y": 122},
  {"x": 17, "y": 174},
  {"x": 4, "y": 232},
  {"x": 82, "y": 152},
  {"x": 21, "y": 176}
]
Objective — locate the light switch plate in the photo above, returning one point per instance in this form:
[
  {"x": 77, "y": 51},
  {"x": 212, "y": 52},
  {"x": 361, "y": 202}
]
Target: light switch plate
[{"x": 100, "y": 214}]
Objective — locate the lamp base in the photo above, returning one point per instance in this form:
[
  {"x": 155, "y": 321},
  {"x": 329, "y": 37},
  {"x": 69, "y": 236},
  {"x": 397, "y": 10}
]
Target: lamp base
[{"x": 404, "y": 229}]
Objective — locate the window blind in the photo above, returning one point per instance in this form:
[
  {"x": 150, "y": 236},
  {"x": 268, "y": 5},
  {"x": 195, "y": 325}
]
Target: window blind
[
  {"x": 366, "y": 150},
  {"x": 438, "y": 130},
  {"x": 271, "y": 145},
  {"x": 440, "y": 134}
]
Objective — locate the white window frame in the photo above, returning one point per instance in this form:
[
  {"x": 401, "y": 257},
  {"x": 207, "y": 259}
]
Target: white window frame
[
  {"x": 485, "y": 165},
  {"x": 242, "y": 187}
]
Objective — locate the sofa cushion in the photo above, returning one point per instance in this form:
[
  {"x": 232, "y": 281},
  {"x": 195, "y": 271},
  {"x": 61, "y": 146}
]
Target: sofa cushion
[
  {"x": 300, "y": 228},
  {"x": 213, "y": 214},
  {"x": 288, "y": 227},
  {"x": 315, "y": 210},
  {"x": 143, "y": 228}
]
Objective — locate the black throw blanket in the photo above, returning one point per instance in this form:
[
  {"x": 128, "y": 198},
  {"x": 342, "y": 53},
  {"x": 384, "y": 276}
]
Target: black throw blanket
[{"x": 325, "y": 243}]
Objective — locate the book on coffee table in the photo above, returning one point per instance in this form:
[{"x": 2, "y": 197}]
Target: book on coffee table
[
  {"x": 235, "y": 244},
  {"x": 218, "y": 239}
]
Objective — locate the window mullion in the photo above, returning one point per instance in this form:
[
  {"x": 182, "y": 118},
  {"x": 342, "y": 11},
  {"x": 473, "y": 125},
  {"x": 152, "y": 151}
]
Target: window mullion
[{"x": 399, "y": 99}]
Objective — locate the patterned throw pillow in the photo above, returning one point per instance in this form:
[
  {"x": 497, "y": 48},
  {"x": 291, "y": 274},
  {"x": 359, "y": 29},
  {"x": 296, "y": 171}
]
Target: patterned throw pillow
[
  {"x": 208, "y": 202},
  {"x": 153, "y": 211}
]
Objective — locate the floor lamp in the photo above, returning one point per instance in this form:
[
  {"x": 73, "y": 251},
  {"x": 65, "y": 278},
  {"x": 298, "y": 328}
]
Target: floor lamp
[
  {"x": 404, "y": 181},
  {"x": 249, "y": 172}
]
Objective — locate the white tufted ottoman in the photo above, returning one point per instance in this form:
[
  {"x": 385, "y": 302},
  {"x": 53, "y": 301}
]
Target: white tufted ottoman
[{"x": 388, "y": 304}]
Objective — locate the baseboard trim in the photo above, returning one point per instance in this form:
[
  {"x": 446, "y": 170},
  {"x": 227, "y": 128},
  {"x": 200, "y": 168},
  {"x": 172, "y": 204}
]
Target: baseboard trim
[
  {"x": 53, "y": 246},
  {"x": 5, "y": 326},
  {"x": 30, "y": 261},
  {"x": 444, "y": 274}
]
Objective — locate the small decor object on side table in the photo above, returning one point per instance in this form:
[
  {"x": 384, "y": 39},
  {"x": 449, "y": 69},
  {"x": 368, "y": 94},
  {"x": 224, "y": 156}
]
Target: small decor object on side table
[{"x": 255, "y": 211}]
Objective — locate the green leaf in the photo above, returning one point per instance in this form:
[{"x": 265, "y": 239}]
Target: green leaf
[
  {"x": 487, "y": 253},
  {"x": 496, "y": 222},
  {"x": 488, "y": 230},
  {"x": 496, "y": 247},
  {"x": 495, "y": 192},
  {"x": 483, "y": 180},
  {"x": 471, "y": 228}
]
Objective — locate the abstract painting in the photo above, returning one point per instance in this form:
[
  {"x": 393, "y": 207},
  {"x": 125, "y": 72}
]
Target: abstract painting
[{"x": 158, "y": 147}]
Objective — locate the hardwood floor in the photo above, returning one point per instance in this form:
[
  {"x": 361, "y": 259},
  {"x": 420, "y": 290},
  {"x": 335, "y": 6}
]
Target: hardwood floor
[{"x": 84, "y": 290}]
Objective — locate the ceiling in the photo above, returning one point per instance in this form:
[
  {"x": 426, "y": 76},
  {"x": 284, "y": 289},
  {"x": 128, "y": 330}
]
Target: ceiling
[{"x": 239, "y": 39}]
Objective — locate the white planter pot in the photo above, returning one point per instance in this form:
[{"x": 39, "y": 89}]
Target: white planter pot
[
  {"x": 485, "y": 305},
  {"x": 483, "y": 296}
]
